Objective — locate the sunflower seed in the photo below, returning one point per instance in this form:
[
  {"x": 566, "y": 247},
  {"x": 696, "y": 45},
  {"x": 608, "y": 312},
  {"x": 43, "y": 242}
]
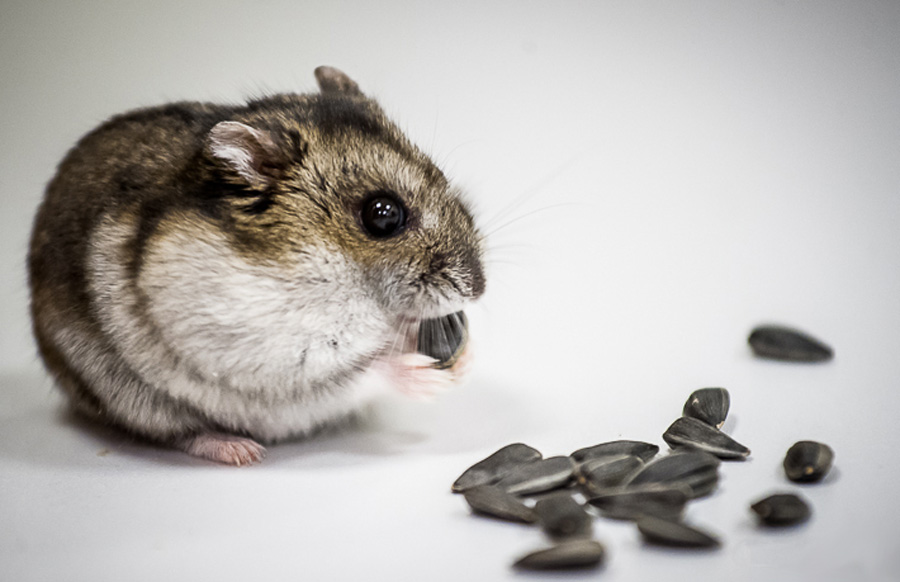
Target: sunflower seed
[
  {"x": 696, "y": 434},
  {"x": 702, "y": 485},
  {"x": 607, "y": 472},
  {"x": 674, "y": 533},
  {"x": 538, "y": 476},
  {"x": 696, "y": 469},
  {"x": 444, "y": 338},
  {"x": 782, "y": 509},
  {"x": 808, "y": 461},
  {"x": 660, "y": 500},
  {"x": 567, "y": 555},
  {"x": 490, "y": 470},
  {"x": 645, "y": 451},
  {"x": 783, "y": 343},
  {"x": 709, "y": 405},
  {"x": 561, "y": 517},
  {"x": 496, "y": 502}
]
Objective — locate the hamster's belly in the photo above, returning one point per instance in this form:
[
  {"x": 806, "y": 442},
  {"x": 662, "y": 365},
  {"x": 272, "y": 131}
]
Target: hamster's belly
[{"x": 272, "y": 350}]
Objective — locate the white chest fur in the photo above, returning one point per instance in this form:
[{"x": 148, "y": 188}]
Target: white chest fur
[{"x": 272, "y": 349}]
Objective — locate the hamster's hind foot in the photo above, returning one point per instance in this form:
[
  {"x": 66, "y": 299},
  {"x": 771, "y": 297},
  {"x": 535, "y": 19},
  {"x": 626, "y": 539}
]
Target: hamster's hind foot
[{"x": 224, "y": 448}]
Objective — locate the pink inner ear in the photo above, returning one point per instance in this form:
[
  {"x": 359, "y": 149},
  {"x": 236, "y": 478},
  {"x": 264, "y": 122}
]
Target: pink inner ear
[{"x": 245, "y": 149}]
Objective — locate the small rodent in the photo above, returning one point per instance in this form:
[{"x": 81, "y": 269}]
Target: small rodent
[{"x": 213, "y": 277}]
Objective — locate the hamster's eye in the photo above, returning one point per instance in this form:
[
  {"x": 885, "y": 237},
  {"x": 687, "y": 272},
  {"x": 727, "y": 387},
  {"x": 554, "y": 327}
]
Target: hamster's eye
[{"x": 383, "y": 215}]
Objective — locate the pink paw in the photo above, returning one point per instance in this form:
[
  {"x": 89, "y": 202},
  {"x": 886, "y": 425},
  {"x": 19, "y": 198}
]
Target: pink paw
[
  {"x": 224, "y": 448},
  {"x": 413, "y": 375}
]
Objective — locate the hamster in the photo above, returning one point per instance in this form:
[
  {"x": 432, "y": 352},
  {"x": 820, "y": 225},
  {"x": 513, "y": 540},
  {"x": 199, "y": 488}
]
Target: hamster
[{"x": 215, "y": 278}]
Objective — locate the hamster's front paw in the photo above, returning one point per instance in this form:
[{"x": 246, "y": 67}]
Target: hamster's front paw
[
  {"x": 413, "y": 375},
  {"x": 224, "y": 448}
]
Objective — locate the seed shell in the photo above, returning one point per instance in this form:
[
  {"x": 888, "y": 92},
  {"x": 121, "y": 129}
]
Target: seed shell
[
  {"x": 808, "y": 461},
  {"x": 645, "y": 451},
  {"x": 562, "y": 517},
  {"x": 490, "y": 470},
  {"x": 607, "y": 471},
  {"x": 630, "y": 503},
  {"x": 709, "y": 405},
  {"x": 675, "y": 533},
  {"x": 696, "y": 434},
  {"x": 443, "y": 338},
  {"x": 568, "y": 555},
  {"x": 784, "y": 343},
  {"x": 781, "y": 509},
  {"x": 698, "y": 470},
  {"x": 496, "y": 502},
  {"x": 538, "y": 476}
]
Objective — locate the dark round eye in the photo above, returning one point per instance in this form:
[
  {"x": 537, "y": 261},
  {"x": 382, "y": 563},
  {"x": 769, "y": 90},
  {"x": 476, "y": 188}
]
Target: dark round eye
[{"x": 383, "y": 215}]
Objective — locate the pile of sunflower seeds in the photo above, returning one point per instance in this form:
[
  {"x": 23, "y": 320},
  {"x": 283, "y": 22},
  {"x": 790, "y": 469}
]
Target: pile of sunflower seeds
[{"x": 626, "y": 480}]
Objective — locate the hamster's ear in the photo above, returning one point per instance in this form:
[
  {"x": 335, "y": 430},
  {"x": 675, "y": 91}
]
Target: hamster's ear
[
  {"x": 333, "y": 80},
  {"x": 249, "y": 152}
]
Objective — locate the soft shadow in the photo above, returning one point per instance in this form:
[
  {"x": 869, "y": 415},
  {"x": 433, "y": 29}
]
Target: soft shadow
[{"x": 38, "y": 429}]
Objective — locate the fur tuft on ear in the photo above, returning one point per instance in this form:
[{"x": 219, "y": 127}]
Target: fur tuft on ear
[
  {"x": 333, "y": 80},
  {"x": 249, "y": 152}
]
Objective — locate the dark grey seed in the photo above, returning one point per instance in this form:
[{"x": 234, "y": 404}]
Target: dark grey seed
[
  {"x": 808, "y": 461},
  {"x": 538, "y": 476},
  {"x": 709, "y": 405},
  {"x": 645, "y": 451},
  {"x": 696, "y": 434},
  {"x": 702, "y": 485},
  {"x": 674, "y": 533},
  {"x": 572, "y": 554},
  {"x": 496, "y": 502},
  {"x": 782, "y": 509},
  {"x": 696, "y": 469},
  {"x": 631, "y": 503},
  {"x": 444, "y": 338},
  {"x": 607, "y": 471},
  {"x": 561, "y": 517},
  {"x": 490, "y": 470},
  {"x": 783, "y": 343}
]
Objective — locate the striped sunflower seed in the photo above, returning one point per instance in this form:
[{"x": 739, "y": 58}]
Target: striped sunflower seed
[
  {"x": 784, "y": 343},
  {"x": 606, "y": 472},
  {"x": 490, "y": 470},
  {"x": 568, "y": 555},
  {"x": 695, "y": 434},
  {"x": 808, "y": 461},
  {"x": 538, "y": 476},
  {"x": 631, "y": 503},
  {"x": 675, "y": 533},
  {"x": 709, "y": 405},
  {"x": 781, "y": 509},
  {"x": 496, "y": 502},
  {"x": 698, "y": 470},
  {"x": 562, "y": 517},
  {"x": 645, "y": 451}
]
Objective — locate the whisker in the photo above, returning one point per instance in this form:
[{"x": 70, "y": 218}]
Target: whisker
[
  {"x": 536, "y": 188},
  {"x": 526, "y": 215}
]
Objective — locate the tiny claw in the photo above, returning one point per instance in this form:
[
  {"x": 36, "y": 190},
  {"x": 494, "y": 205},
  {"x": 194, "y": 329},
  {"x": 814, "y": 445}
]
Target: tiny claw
[{"x": 224, "y": 448}]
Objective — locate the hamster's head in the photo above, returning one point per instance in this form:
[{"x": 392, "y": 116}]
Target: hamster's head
[{"x": 325, "y": 186}]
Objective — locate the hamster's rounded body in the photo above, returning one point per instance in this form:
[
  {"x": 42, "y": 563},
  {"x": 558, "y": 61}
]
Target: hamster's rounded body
[{"x": 201, "y": 274}]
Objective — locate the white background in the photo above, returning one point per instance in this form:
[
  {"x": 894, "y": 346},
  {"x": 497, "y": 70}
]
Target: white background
[{"x": 656, "y": 178}]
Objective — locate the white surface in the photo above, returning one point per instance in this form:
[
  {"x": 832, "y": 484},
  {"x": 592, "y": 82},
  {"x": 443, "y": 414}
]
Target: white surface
[{"x": 671, "y": 174}]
